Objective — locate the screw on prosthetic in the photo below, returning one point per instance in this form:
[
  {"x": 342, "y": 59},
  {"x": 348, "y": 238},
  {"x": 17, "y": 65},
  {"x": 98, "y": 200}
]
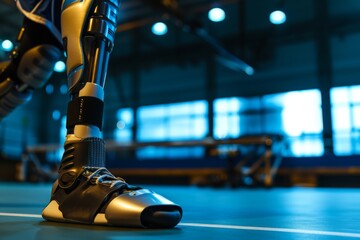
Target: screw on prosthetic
[{"x": 86, "y": 192}]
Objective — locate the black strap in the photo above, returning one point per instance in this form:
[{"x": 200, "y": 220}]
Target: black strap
[
  {"x": 86, "y": 200},
  {"x": 85, "y": 111}
]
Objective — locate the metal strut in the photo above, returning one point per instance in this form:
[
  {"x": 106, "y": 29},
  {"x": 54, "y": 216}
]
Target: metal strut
[{"x": 90, "y": 48}]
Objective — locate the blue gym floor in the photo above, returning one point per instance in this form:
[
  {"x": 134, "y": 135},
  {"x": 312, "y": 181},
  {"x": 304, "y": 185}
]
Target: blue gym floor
[{"x": 248, "y": 214}]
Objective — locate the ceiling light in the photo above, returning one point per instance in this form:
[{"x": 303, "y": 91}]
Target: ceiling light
[
  {"x": 7, "y": 45},
  {"x": 277, "y": 17},
  {"x": 159, "y": 28},
  {"x": 59, "y": 66},
  {"x": 56, "y": 115},
  {"x": 216, "y": 14}
]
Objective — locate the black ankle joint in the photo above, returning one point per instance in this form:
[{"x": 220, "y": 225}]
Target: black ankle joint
[{"x": 89, "y": 152}]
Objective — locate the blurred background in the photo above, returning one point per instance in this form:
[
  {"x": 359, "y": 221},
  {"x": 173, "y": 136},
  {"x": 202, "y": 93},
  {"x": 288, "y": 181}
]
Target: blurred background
[{"x": 219, "y": 93}]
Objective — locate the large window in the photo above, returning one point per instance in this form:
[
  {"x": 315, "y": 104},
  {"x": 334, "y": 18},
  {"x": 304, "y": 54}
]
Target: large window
[
  {"x": 177, "y": 121},
  {"x": 172, "y": 122},
  {"x": 227, "y": 119},
  {"x": 302, "y": 122},
  {"x": 296, "y": 115},
  {"x": 123, "y": 132},
  {"x": 346, "y": 119}
]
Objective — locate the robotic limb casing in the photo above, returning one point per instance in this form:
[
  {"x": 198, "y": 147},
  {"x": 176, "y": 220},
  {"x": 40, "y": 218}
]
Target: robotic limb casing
[
  {"x": 30, "y": 67},
  {"x": 85, "y": 191},
  {"x": 88, "y": 29},
  {"x": 88, "y": 44}
]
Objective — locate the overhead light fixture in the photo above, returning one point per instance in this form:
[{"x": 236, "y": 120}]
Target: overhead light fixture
[
  {"x": 249, "y": 70},
  {"x": 49, "y": 89},
  {"x": 216, "y": 14},
  {"x": 56, "y": 115},
  {"x": 63, "y": 89},
  {"x": 7, "y": 45},
  {"x": 277, "y": 17},
  {"x": 159, "y": 28},
  {"x": 59, "y": 66}
]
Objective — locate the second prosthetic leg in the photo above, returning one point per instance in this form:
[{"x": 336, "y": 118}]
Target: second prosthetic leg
[
  {"x": 30, "y": 66},
  {"x": 86, "y": 192}
]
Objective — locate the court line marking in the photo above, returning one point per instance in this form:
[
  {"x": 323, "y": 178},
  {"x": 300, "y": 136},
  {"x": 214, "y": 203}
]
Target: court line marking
[
  {"x": 20, "y": 215},
  {"x": 234, "y": 227},
  {"x": 269, "y": 229}
]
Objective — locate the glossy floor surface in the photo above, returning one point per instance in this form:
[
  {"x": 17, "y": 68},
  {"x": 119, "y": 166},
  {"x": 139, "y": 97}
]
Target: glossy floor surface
[{"x": 248, "y": 214}]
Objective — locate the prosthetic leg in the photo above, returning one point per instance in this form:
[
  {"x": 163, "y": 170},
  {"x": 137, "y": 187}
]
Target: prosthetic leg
[
  {"x": 86, "y": 192},
  {"x": 29, "y": 68}
]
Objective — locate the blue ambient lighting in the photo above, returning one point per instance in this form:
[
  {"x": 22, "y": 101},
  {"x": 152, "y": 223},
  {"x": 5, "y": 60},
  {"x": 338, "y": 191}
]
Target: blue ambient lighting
[
  {"x": 7, "y": 45},
  {"x": 59, "y": 66},
  {"x": 159, "y": 28},
  {"x": 249, "y": 70},
  {"x": 49, "y": 89},
  {"x": 56, "y": 114},
  {"x": 216, "y": 14},
  {"x": 277, "y": 17},
  {"x": 63, "y": 89}
]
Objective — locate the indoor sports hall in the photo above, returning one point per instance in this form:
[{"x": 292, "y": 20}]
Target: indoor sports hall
[{"x": 241, "y": 117}]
